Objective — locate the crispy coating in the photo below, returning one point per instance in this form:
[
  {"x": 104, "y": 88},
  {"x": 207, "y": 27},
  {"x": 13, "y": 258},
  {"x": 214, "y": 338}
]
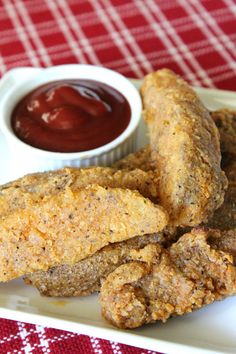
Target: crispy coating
[
  {"x": 32, "y": 188},
  {"x": 224, "y": 218},
  {"x": 185, "y": 148},
  {"x": 140, "y": 159},
  {"x": 161, "y": 283},
  {"x": 225, "y": 120},
  {"x": 85, "y": 277},
  {"x": 224, "y": 241},
  {"x": 69, "y": 226},
  {"x": 199, "y": 257}
]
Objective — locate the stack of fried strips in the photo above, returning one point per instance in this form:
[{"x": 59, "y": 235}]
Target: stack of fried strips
[{"x": 155, "y": 233}]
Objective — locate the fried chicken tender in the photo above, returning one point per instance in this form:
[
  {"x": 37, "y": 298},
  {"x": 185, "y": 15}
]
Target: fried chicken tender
[
  {"x": 161, "y": 283},
  {"x": 22, "y": 192},
  {"x": 71, "y": 225},
  {"x": 184, "y": 147},
  {"x": 84, "y": 277}
]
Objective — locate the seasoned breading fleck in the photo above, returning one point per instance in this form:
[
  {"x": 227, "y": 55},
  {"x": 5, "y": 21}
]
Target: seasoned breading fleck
[
  {"x": 162, "y": 283},
  {"x": 69, "y": 226},
  {"x": 185, "y": 147}
]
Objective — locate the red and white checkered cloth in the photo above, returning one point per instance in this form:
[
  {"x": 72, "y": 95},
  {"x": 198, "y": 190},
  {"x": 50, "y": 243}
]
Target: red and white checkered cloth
[{"x": 194, "y": 38}]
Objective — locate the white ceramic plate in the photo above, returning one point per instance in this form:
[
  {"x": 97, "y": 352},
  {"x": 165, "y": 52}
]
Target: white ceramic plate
[{"x": 209, "y": 330}]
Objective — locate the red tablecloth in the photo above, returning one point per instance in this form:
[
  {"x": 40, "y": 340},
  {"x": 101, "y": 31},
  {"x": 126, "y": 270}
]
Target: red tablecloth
[{"x": 195, "y": 38}]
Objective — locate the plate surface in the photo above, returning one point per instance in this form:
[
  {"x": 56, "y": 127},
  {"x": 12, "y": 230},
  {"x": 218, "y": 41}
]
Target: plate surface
[{"x": 209, "y": 330}]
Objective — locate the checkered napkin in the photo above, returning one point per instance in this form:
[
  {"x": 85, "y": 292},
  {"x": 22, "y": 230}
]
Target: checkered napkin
[
  {"x": 197, "y": 39},
  {"x": 22, "y": 338}
]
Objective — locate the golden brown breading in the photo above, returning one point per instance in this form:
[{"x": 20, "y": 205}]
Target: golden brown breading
[
  {"x": 225, "y": 120},
  {"x": 185, "y": 147},
  {"x": 224, "y": 241},
  {"x": 161, "y": 283},
  {"x": 224, "y": 218},
  {"x": 22, "y": 192},
  {"x": 210, "y": 267},
  {"x": 140, "y": 159},
  {"x": 84, "y": 277},
  {"x": 69, "y": 226}
]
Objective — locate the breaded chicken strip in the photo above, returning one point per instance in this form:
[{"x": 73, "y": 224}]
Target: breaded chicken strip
[
  {"x": 162, "y": 283},
  {"x": 185, "y": 148},
  {"x": 32, "y": 188},
  {"x": 84, "y": 277},
  {"x": 69, "y": 226}
]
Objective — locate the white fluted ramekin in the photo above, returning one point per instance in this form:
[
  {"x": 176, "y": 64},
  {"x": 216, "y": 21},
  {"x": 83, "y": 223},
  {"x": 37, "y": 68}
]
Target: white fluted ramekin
[{"x": 19, "y": 82}]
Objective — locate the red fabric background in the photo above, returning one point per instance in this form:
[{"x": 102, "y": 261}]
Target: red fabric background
[{"x": 197, "y": 39}]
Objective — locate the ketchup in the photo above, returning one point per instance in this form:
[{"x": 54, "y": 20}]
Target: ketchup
[{"x": 71, "y": 116}]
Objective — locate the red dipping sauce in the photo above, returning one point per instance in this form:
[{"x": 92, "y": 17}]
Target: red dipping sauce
[{"x": 71, "y": 116}]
